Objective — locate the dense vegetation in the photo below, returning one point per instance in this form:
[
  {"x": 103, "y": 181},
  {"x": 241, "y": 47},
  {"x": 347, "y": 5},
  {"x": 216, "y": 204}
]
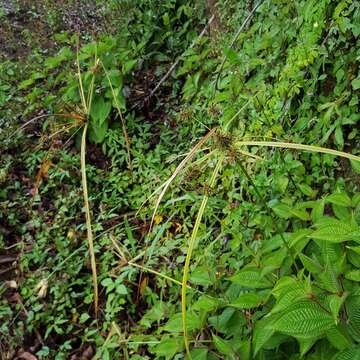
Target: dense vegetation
[{"x": 207, "y": 212}]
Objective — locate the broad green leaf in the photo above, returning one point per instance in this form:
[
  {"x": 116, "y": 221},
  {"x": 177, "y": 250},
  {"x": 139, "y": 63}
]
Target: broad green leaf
[
  {"x": 335, "y": 303},
  {"x": 340, "y": 198},
  {"x": 205, "y": 303},
  {"x": 202, "y": 275},
  {"x": 245, "y": 349},
  {"x": 288, "y": 296},
  {"x": 336, "y": 231},
  {"x": 304, "y": 319},
  {"x": 356, "y": 166},
  {"x": 307, "y": 190},
  {"x": 310, "y": 264},
  {"x": 251, "y": 277},
  {"x": 281, "y": 183},
  {"x": 318, "y": 211},
  {"x": 223, "y": 346},
  {"x": 353, "y": 275},
  {"x": 306, "y": 344},
  {"x": 156, "y": 313},
  {"x": 100, "y": 110},
  {"x": 97, "y": 131},
  {"x": 247, "y": 301},
  {"x": 338, "y": 338},
  {"x": 299, "y": 239},
  {"x": 356, "y": 83},
  {"x": 128, "y": 65},
  {"x": 168, "y": 347},
  {"x": 199, "y": 354},
  {"x": 348, "y": 354},
  {"x": 285, "y": 211},
  {"x": 174, "y": 324},
  {"x": 262, "y": 332}
]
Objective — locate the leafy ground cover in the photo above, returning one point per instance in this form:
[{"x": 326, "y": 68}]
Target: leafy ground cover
[{"x": 215, "y": 218}]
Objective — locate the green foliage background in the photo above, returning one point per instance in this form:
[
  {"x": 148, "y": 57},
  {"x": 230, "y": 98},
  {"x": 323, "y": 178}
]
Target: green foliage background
[{"x": 275, "y": 271}]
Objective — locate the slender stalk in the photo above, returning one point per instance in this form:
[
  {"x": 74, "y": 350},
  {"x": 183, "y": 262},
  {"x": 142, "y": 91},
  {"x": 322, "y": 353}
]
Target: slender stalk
[
  {"x": 123, "y": 126},
  {"x": 184, "y": 284},
  {"x": 88, "y": 219}
]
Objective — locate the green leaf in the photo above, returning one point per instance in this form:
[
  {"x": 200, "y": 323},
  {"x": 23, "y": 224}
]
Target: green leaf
[
  {"x": 156, "y": 313},
  {"x": 304, "y": 320},
  {"x": 223, "y": 346},
  {"x": 175, "y": 324},
  {"x": 336, "y": 231},
  {"x": 288, "y": 296},
  {"x": 335, "y": 303},
  {"x": 311, "y": 265},
  {"x": 353, "y": 275},
  {"x": 338, "y": 338},
  {"x": 97, "y": 131},
  {"x": 285, "y": 211},
  {"x": 251, "y": 277},
  {"x": 199, "y": 354},
  {"x": 262, "y": 332},
  {"x": 281, "y": 183},
  {"x": 100, "y": 110},
  {"x": 306, "y": 344},
  {"x": 204, "y": 303},
  {"x": 356, "y": 83},
  {"x": 348, "y": 354},
  {"x": 307, "y": 190},
  {"x": 355, "y": 166},
  {"x": 168, "y": 347},
  {"x": 341, "y": 199},
  {"x": 318, "y": 210},
  {"x": 202, "y": 275},
  {"x": 128, "y": 65},
  {"x": 247, "y": 301}
]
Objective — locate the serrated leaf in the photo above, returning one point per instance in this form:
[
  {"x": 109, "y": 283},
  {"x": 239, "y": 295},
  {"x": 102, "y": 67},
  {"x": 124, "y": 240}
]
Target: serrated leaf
[
  {"x": 338, "y": 338},
  {"x": 288, "y": 296},
  {"x": 304, "y": 320},
  {"x": 348, "y": 354},
  {"x": 340, "y": 198},
  {"x": 247, "y": 301},
  {"x": 251, "y": 277},
  {"x": 336, "y": 231}
]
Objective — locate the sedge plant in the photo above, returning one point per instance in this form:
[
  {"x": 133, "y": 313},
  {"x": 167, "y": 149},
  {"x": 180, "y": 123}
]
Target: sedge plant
[{"x": 220, "y": 155}]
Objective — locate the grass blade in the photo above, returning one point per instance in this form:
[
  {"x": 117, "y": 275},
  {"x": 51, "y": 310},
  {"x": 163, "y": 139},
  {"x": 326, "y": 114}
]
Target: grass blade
[
  {"x": 178, "y": 169},
  {"x": 310, "y": 148}
]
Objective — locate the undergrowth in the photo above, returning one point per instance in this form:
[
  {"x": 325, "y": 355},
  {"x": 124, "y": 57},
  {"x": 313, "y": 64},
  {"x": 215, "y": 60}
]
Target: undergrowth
[{"x": 218, "y": 218}]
